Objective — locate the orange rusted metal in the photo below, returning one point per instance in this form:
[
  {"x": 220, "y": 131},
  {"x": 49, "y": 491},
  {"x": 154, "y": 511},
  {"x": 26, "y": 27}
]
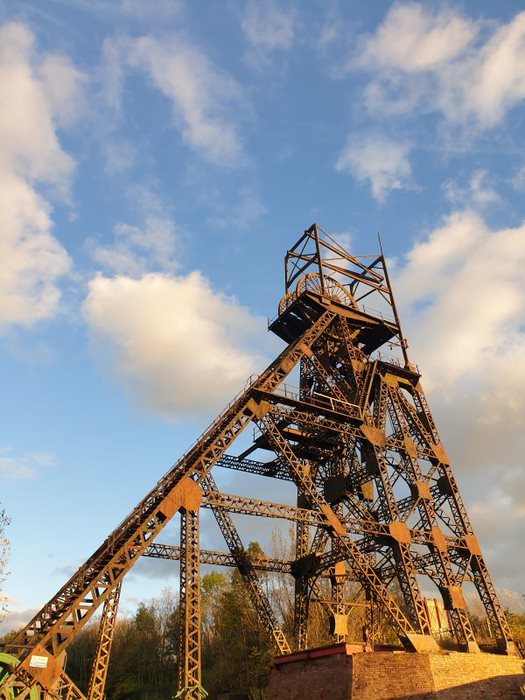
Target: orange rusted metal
[{"x": 377, "y": 500}]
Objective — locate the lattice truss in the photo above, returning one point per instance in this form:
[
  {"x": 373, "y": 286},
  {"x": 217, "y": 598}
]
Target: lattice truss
[{"x": 377, "y": 501}]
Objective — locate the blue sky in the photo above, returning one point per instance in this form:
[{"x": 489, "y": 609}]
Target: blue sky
[{"x": 156, "y": 161}]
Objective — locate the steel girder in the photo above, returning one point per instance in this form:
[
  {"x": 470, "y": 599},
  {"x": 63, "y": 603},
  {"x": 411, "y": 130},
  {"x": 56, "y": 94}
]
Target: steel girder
[
  {"x": 249, "y": 575},
  {"x": 190, "y": 681},
  {"x": 360, "y": 444},
  {"x": 61, "y": 619},
  {"x": 361, "y": 567},
  {"x": 214, "y": 558},
  {"x": 99, "y": 672}
]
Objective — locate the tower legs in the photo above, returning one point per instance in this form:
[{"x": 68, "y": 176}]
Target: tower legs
[{"x": 190, "y": 687}]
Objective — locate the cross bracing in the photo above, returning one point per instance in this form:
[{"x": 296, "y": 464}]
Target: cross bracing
[{"x": 377, "y": 501}]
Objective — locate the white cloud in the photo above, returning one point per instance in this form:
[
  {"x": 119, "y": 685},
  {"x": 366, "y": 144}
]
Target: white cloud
[
  {"x": 63, "y": 85},
  {"x": 269, "y": 26},
  {"x": 151, "y": 246},
  {"x": 42, "y": 92},
  {"x": 206, "y": 101},
  {"x": 181, "y": 346},
  {"x": 29, "y": 142},
  {"x": 462, "y": 299},
  {"x": 25, "y": 466},
  {"x": 479, "y": 192},
  {"x": 15, "y": 618},
  {"x": 32, "y": 260},
  {"x": 472, "y": 278},
  {"x": 376, "y": 159},
  {"x": 470, "y": 71},
  {"x": 11, "y": 468},
  {"x": 137, "y": 250},
  {"x": 413, "y": 39},
  {"x": 499, "y": 77}
]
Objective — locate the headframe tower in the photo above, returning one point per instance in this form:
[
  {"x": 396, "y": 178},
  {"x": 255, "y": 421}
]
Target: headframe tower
[{"x": 377, "y": 500}]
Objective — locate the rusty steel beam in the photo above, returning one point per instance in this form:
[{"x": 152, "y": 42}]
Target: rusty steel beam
[
  {"x": 250, "y": 577},
  {"x": 273, "y": 469},
  {"x": 374, "y": 485},
  {"x": 99, "y": 671},
  {"x": 364, "y": 572},
  {"x": 61, "y": 619},
  {"x": 190, "y": 680},
  {"x": 214, "y": 558}
]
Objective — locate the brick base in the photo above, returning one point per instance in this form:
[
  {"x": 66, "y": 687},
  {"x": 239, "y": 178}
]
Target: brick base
[{"x": 344, "y": 672}]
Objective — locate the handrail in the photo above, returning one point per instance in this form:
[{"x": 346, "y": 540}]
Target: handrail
[
  {"x": 377, "y": 314},
  {"x": 398, "y": 362},
  {"x": 336, "y": 404}
]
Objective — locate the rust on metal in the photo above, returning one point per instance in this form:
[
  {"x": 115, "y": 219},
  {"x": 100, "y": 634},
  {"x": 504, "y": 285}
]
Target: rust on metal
[{"x": 377, "y": 501}]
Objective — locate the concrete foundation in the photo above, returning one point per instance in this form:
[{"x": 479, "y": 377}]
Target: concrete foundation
[{"x": 346, "y": 672}]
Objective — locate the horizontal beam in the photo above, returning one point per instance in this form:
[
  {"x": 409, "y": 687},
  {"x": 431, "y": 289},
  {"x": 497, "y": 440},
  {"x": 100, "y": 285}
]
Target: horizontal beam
[
  {"x": 265, "y": 509},
  {"x": 208, "y": 556},
  {"x": 244, "y": 505},
  {"x": 273, "y": 469}
]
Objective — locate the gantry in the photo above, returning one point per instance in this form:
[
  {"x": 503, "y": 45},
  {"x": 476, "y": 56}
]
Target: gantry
[{"x": 377, "y": 501}]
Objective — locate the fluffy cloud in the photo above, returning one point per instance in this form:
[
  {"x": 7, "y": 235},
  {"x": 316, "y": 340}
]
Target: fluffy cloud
[
  {"x": 463, "y": 303},
  {"x": 205, "y": 100},
  {"x": 151, "y": 245},
  {"x": 500, "y": 526},
  {"x": 412, "y": 39},
  {"x": 42, "y": 93},
  {"x": 478, "y": 194},
  {"x": 15, "y": 618},
  {"x": 138, "y": 249},
  {"x": 376, "y": 159},
  {"x": 469, "y": 71},
  {"x": 465, "y": 285},
  {"x": 180, "y": 345},
  {"x": 32, "y": 260}
]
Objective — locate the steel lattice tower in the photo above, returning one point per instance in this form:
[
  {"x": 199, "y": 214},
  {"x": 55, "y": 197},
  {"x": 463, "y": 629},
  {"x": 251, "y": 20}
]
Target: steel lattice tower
[{"x": 377, "y": 501}]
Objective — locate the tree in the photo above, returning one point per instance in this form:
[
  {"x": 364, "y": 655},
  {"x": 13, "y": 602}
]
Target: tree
[
  {"x": 143, "y": 661},
  {"x": 4, "y": 559},
  {"x": 236, "y": 651}
]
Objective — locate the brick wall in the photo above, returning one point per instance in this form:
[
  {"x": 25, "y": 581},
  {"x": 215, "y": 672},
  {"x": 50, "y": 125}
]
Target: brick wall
[
  {"x": 328, "y": 678},
  {"x": 389, "y": 676},
  {"x": 477, "y": 676}
]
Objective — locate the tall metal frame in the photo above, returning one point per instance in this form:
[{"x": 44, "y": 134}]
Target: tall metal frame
[
  {"x": 99, "y": 671},
  {"x": 377, "y": 501},
  {"x": 190, "y": 681}
]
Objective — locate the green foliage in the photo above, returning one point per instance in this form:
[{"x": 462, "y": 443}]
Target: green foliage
[
  {"x": 236, "y": 653},
  {"x": 143, "y": 660},
  {"x": 517, "y": 626},
  {"x": 81, "y": 654}
]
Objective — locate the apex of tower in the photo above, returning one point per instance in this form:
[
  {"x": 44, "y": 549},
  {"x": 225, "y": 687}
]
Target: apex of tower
[{"x": 321, "y": 274}]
